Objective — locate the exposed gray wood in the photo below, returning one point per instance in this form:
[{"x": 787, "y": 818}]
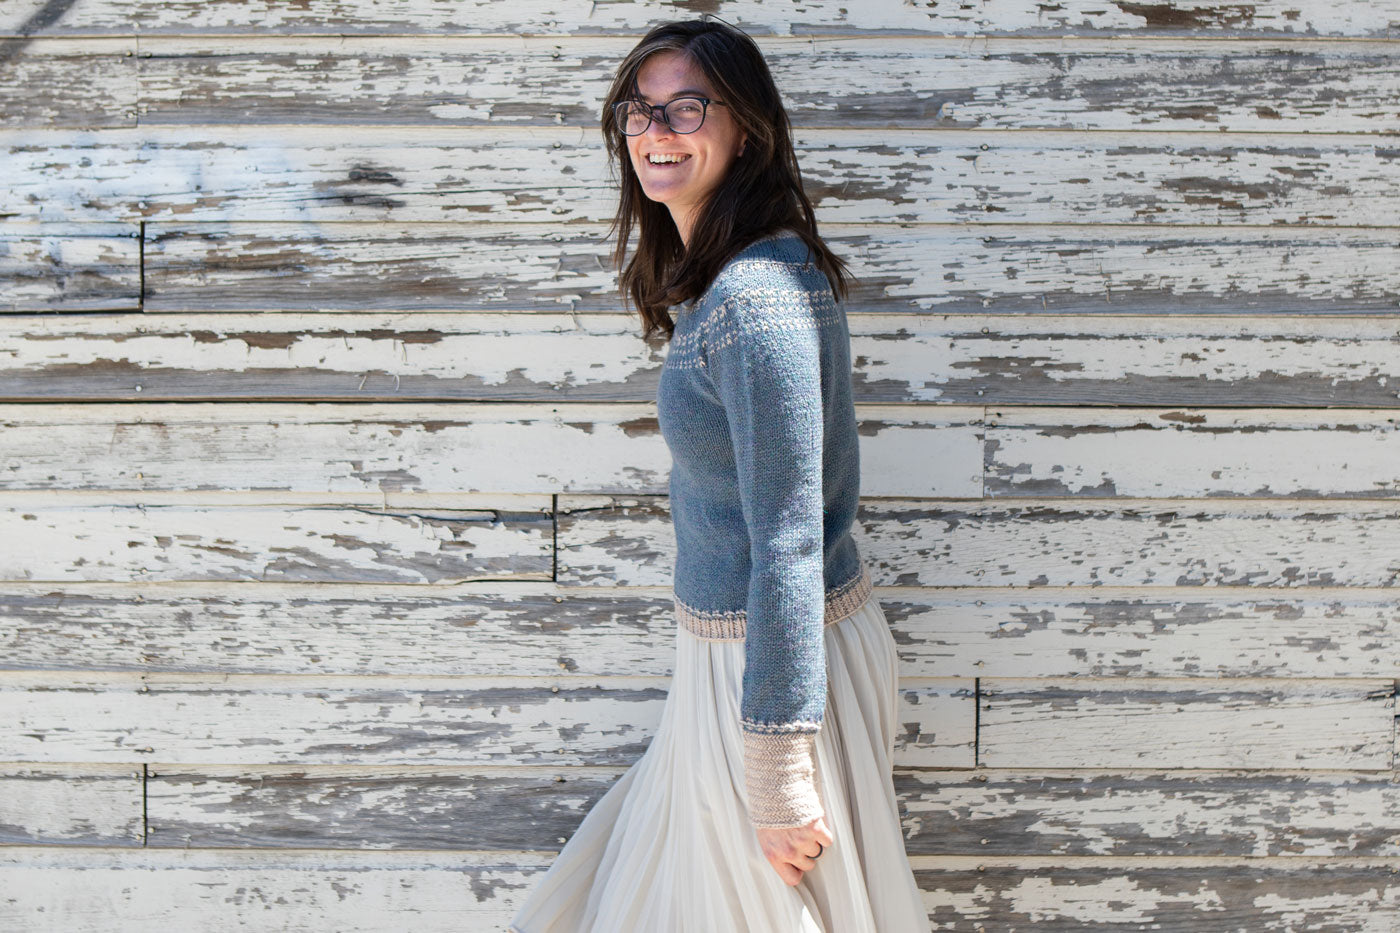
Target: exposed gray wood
[
  {"x": 1074, "y": 723},
  {"x": 69, "y": 82},
  {"x": 1275, "y": 897},
  {"x": 428, "y": 448},
  {"x": 332, "y": 807},
  {"x": 560, "y": 175},
  {"x": 319, "y": 543},
  {"x": 1294, "y": 85},
  {"x": 185, "y": 719},
  {"x": 65, "y": 267},
  {"x": 989, "y": 812},
  {"x": 998, "y": 812},
  {"x": 523, "y": 448},
  {"x": 97, "y": 891},
  {"x": 1001, "y": 268},
  {"x": 1251, "y": 453},
  {"x": 369, "y": 892},
  {"x": 1272, "y": 361},
  {"x": 543, "y": 630},
  {"x": 62, "y": 805},
  {"x": 628, "y": 541},
  {"x": 1287, "y": 18}
]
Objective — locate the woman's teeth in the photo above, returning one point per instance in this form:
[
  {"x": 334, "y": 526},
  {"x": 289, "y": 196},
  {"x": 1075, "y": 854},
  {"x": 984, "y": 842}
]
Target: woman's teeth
[{"x": 657, "y": 158}]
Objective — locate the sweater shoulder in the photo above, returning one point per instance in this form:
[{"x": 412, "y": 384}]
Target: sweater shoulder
[{"x": 772, "y": 284}]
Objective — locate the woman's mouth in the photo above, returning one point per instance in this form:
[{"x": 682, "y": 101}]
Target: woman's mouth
[{"x": 666, "y": 159}]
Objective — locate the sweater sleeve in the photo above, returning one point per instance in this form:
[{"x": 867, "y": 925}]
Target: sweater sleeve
[{"x": 764, "y": 358}]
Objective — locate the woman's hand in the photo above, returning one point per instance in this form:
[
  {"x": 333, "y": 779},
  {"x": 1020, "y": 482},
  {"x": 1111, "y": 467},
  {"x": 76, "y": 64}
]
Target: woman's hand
[{"x": 792, "y": 850}]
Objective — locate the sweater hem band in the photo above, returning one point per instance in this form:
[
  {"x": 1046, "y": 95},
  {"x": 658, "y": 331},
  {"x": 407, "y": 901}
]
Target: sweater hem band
[{"x": 714, "y": 625}]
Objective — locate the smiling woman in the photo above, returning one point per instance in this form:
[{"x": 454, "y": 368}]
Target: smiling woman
[{"x": 764, "y": 801}]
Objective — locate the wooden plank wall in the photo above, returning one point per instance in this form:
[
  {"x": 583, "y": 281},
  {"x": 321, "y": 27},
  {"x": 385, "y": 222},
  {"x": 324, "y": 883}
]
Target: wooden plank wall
[{"x": 334, "y": 584}]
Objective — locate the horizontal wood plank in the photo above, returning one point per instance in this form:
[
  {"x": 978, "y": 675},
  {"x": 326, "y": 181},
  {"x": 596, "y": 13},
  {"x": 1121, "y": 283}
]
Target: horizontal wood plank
[
  {"x": 1268, "y": 361},
  {"x": 524, "y": 448},
  {"x": 544, "y": 630},
  {"x": 68, "y": 267},
  {"x": 1209, "y": 18},
  {"x": 428, "y": 448},
  {"x": 1184, "y": 453},
  {"x": 180, "y": 719},
  {"x": 318, "y": 543},
  {"x": 1156, "y": 84},
  {"x": 67, "y": 805},
  {"x": 1073, "y": 723},
  {"x": 368, "y": 892},
  {"x": 629, "y": 541},
  {"x": 1000, "y": 269},
  {"x": 992, "y": 812},
  {"x": 1000, "y": 812},
  {"x": 560, "y": 175}
]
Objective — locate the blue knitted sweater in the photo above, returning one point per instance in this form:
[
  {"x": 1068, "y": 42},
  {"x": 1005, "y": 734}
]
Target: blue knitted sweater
[{"x": 754, "y": 403}]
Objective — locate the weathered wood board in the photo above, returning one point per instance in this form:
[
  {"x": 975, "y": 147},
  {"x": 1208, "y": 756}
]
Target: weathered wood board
[
  {"x": 524, "y": 629},
  {"x": 1238, "y": 723},
  {"x": 908, "y": 450},
  {"x": 71, "y": 805},
  {"x": 267, "y": 542},
  {"x": 1266, "y": 361},
  {"x": 294, "y": 174},
  {"x": 516, "y": 449},
  {"x": 368, "y": 892},
  {"x": 628, "y": 541},
  {"x": 69, "y": 267},
  {"x": 1078, "y": 84},
  {"x": 987, "y": 812},
  {"x": 1212, "y": 18},
  {"x": 998, "y": 812},
  {"x": 189, "y": 719},
  {"x": 1078, "y": 269}
]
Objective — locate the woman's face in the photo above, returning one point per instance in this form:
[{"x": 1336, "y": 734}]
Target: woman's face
[{"x": 705, "y": 154}]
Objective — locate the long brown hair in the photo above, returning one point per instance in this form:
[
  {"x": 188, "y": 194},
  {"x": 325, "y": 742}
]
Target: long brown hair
[{"x": 760, "y": 194}]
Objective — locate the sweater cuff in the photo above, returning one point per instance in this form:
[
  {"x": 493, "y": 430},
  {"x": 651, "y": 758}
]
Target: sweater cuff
[{"x": 780, "y": 778}]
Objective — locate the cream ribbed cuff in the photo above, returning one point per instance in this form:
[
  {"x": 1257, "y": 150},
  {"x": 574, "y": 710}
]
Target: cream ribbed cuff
[{"x": 780, "y": 778}]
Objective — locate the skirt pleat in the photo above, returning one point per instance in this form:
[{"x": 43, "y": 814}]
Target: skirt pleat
[{"x": 669, "y": 848}]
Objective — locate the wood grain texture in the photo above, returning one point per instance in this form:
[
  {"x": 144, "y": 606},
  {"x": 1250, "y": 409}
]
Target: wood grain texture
[
  {"x": 68, "y": 267},
  {"x": 560, "y": 175},
  {"x": 545, "y": 630},
  {"x": 266, "y": 542},
  {"x": 1185, "y": 453},
  {"x": 989, "y": 812},
  {"x": 627, "y": 541},
  {"x": 1183, "y": 813},
  {"x": 515, "y": 449},
  {"x": 1195, "y": 897},
  {"x": 1001, "y": 268},
  {"x": 1292, "y": 85},
  {"x": 1269, "y": 361},
  {"x": 188, "y": 719},
  {"x": 1210, "y": 18},
  {"x": 71, "y": 805},
  {"x": 368, "y": 892},
  {"x": 1076, "y": 723},
  {"x": 524, "y": 448}
]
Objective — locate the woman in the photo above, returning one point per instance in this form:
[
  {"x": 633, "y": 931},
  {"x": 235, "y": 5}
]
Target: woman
[{"x": 764, "y": 802}]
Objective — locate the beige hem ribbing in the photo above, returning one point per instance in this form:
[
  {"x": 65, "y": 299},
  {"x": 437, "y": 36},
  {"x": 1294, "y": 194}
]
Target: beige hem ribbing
[{"x": 711, "y": 625}]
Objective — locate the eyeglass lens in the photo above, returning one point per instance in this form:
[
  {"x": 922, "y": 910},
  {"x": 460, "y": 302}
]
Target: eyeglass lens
[{"x": 684, "y": 115}]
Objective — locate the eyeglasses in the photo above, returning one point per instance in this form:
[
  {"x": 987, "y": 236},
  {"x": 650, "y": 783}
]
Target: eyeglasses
[{"x": 683, "y": 115}]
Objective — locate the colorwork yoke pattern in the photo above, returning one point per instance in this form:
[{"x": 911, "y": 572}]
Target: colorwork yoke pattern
[{"x": 754, "y": 403}]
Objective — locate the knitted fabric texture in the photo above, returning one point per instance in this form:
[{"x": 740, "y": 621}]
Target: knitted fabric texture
[{"x": 754, "y": 403}]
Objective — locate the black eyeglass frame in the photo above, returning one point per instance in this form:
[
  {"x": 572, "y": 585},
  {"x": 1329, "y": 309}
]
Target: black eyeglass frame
[{"x": 620, "y": 116}]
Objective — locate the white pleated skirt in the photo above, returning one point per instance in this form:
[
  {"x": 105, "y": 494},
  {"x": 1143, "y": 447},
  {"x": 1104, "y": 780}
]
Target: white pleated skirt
[{"x": 669, "y": 847}]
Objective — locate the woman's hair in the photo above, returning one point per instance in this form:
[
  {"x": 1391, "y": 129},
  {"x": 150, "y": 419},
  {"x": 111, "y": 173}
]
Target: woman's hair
[{"x": 760, "y": 194}]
